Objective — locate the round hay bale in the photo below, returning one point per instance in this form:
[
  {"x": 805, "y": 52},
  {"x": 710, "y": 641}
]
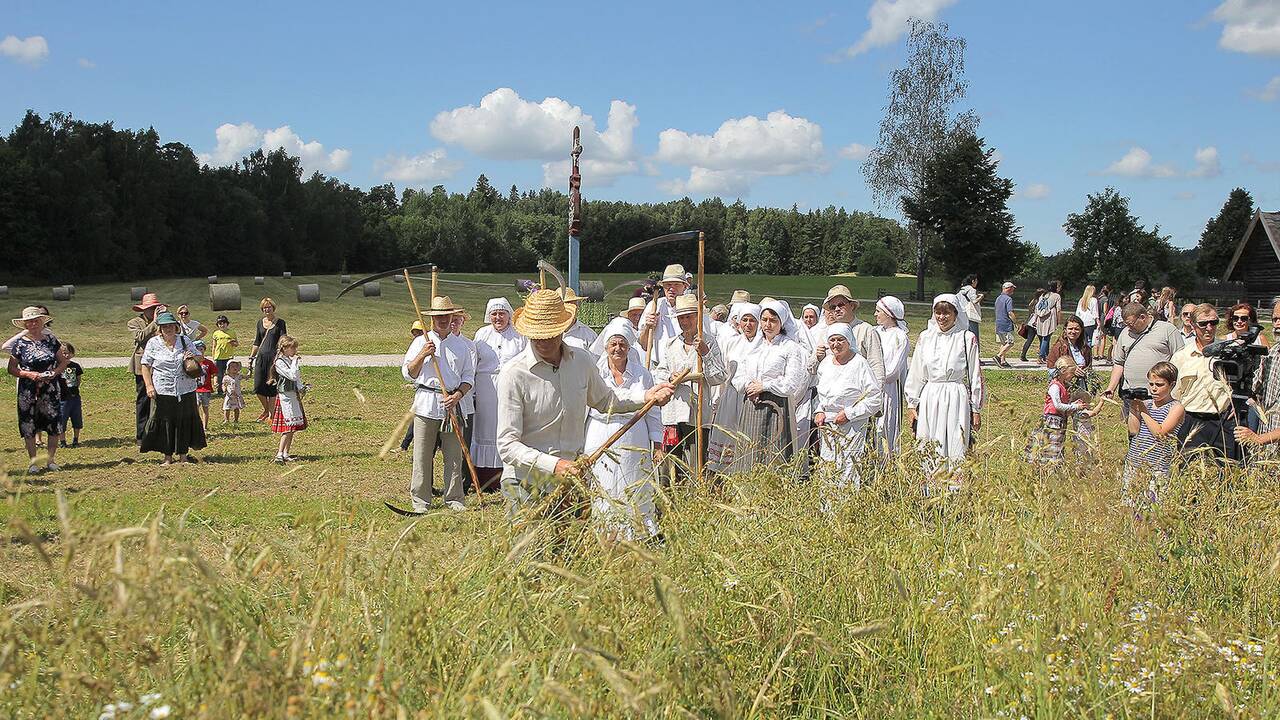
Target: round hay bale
[
  {"x": 592, "y": 290},
  {"x": 287, "y": 275},
  {"x": 71, "y": 289},
  {"x": 398, "y": 278},
  {"x": 224, "y": 296},
  {"x": 61, "y": 294},
  {"x": 372, "y": 289},
  {"x": 309, "y": 293},
  {"x": 136, "y": 292},
  {"x": 344, "y": 279},
  {"x": 4, "y": 291},
  {"x": 213, "y": 279},
  {"x": 259, "y": 280}
]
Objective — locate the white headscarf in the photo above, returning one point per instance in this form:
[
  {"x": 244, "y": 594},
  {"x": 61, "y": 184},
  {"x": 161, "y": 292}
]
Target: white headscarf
[
  {"x": 962, "y": 320},
  {"x": 617, "y": 327},
  {"x": 498, "y": 303},
  {"x": 735, "y": 313},
  {"x": 783, "y": 311},
  {"x": 810, "y": 306},
  {"x": 895, "y": 308},
  {"x": 843, "y": 330}
]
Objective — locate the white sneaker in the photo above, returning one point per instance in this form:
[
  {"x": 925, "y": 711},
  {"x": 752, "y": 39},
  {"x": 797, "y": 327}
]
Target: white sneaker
[
  {"x": 421, "y": 507},
  {"x": 53, "y": 467},
  {"x": 455, "y": 505}
]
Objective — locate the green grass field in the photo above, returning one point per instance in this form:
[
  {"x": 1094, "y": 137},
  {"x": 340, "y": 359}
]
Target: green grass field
[
  {"x": 238, "y": 588},
  {"x": 94, "y": 321}
]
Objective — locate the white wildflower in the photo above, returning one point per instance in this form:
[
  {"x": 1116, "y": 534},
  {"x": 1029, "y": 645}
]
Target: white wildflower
[
  {"x": 159, "y": 713},
  {"x": 730, "y": 582}
]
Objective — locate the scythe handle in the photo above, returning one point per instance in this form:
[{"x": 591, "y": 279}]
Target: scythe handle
[{"x": 589, "y": 460}]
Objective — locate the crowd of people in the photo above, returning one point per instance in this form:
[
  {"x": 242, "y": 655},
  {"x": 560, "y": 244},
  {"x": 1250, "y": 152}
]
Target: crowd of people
[{"x": 823, "y": 391}]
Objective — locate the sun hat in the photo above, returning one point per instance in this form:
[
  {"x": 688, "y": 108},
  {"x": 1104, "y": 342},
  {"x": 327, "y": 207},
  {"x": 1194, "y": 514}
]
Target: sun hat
[
  {"x": 544, "y": 315},
  {"x": 30, "y": 313},
  {"x": 634, "y": 304},
  {"x": 441, "y": 305},
  {"x": 417, "y": 325},
  {"x": 1007, "y": 285},
  {"x": 149, "y": 300},
  {"x": 740, "y": 296},
  {"x": 840, "y": 291},
  {"x": 686, "y": 304},
  {"x": 674, "y": 273},
  {"x": 166, "y": 318},
  {"x": 572, "y": 297}
]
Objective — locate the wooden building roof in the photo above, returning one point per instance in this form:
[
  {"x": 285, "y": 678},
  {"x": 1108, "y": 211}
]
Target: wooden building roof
[{"x": 1267, "y": 225}]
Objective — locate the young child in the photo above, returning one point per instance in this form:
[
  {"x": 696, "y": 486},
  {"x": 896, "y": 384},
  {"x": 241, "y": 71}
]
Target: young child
[
  {"x": 289, "y": 416},
  {"x": 72, "y": 413},
  {"x": 204, "y": 388},
  {"x": 224, "y": 348},
  {"x": 1046, "y": 443},
  {"x": 1153, "y": 428},
  {"x": 232, "y": 394}
]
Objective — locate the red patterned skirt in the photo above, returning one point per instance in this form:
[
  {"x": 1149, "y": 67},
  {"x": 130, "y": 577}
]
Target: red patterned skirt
[{"x": 280, "y": 425}]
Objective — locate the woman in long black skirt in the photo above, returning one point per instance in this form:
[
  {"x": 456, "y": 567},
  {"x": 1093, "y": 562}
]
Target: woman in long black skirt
[
  {"x": 270, "y": 330},
  {"x": 174, "y": 427}
]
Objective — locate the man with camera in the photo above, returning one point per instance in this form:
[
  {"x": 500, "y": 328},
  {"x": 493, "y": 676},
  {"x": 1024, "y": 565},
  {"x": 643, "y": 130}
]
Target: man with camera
[
  {"x": 1266, "y": 395},
  {"x": 1144, "y": 342},
  {"x": 1205, "y": 394}
]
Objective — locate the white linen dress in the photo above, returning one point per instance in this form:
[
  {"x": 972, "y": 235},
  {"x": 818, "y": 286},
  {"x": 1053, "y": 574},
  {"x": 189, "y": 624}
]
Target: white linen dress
[
  {"x": 493, "y": 350},
  {"x": 850, "y": 388},
  {"x": 897, "y": 349},
  {"x": 623, "y": 476}
]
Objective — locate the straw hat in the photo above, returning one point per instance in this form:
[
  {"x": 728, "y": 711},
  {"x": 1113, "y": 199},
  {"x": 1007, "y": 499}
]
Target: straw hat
[
  {"x": 441, "y": 305},
  {"x": 544, "y": 315},
  {"x": 686, "y": 304},
  {"x": 635, "y": 304},
  {"x": 840, "y": 291},
  {"x": 674, "y": 273},
  {"x": 417, "y": 325},
  {"x": 30, "y": 313},
  {"x": 740, "y": 296},
  {"x": 149, "y": 300},
  {"x": 572, "y": 297}
]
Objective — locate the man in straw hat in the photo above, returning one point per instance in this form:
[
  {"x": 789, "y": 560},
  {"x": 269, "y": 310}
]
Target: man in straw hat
[
  {"x": 634, "y": 311},
  {"x": 543, "y": 395},
  {"x": 680, "y": 353},
  {"x": 432, "y": 403},
  {"x": 659, "y": 321},
  {"x": 144, "y": 328},
  {"x": 841, "y": 307}
]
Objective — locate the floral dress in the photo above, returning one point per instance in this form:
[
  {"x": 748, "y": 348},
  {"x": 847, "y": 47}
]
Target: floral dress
[{"x": 39, "y": 403}]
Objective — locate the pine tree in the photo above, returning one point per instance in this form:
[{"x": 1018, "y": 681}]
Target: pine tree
[{"x": 1223, "y": 233}]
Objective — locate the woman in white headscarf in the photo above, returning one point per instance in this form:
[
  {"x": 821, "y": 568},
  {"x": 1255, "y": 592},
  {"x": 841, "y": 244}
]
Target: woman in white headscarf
[
  {"x": 848, "y": 396},
  {"x": 736, "y": 349},
  {"x": 773, "y": 378},
  {"x": 944, "y": 389},
  {"x": 496, "y": 344},
  {"x": 623, "y": 506},
  {"x": 896, "y": 344}
]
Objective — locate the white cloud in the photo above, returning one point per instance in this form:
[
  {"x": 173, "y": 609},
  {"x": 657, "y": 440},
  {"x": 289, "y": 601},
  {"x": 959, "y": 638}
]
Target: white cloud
[
  {"x": 432, "y": 166},
  {"x": 741, "y": 150},
  {"x": 86, "y": 63},
  {"x": 1249, "y": 26},
  {"x": 236, "y": 141},
  {"x": 889, "y": 20},
  {"x": 854, "y": 151},
  {"x": 1035, "y": 191},
  {"x": 1137, "y": 163},
  {"x": 1207, "y": 163},
  {"x": 29, "y": 50},
  {"x": 505, "y": 126},
  {"x": 1269, "y": 92}
]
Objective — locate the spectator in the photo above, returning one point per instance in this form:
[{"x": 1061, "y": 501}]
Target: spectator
[
  {"x": 190, "y": 327},
  {"x": 143, "y": 329},
  {"x": 1047, "y": 317},
  {"x": 1029, "y": 334},
  {"x": 1006, "y": 320},
  {"x": 224, "y": 347},
  {"x": 1072, "y": 344},
  {"x": 1266, "y": 400},
  {"x": 1206, "y": 398},
  {"x": 1166, "y": 304},
  {"x": 72, "y": 410},
  {"x": 1240, "y": 319},
  {"x": 37, "y": 360},
  {"x": 204, "y": 387},
  {"x": 1106, "y": 325},
  {"x": 263, "y": 356},
  {"x": 1144, "y": 342},
  {"x": 1045, "y": 445},
  {"x": 1188, "y": 326},
  {"x": 289, "y": 416},
  {"x": 174, "y": 427},
  {"x": 1151, "y": 422},
  {"x": 969, "y": 295},
  {"x": 1087, "y": 311},
  {"x": 232, "y": 393}
]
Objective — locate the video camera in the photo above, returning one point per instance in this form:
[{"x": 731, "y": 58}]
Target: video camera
[
  {"x": 1236, "y": 361},
  {"x": 1134, "y": 394}
]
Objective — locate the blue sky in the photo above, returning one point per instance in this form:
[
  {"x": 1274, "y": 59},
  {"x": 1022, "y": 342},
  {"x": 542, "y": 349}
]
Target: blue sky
[{"x": 1173, "y": 103}]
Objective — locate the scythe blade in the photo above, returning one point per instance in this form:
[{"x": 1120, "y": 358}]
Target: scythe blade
[
  {"x": 553, "y": 272},
  {"x": 673, "y": 237},
  {"x": 426, "y": 267}
]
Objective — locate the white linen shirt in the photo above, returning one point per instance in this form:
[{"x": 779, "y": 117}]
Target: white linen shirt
[
  {"x": 542, "y": 410},
  {"x": 678, "y": 357},
  {"x": 457, "y": 366},
  {"x": 165, "y": 362}
]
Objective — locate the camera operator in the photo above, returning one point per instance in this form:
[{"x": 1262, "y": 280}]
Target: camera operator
[
  {"x": 1144, "y": 342},
  {"x": 1266, "y": 394},
  {"x": 1211, "y": 417}
]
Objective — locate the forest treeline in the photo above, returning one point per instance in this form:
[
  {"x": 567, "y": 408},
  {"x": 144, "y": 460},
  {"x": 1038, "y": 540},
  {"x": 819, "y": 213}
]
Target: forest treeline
[{"x": 84, "y": 201}]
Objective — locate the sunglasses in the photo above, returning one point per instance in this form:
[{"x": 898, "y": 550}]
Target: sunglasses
[
  {"x": 837, "y": 305},
  {"x": 1207, "y": 323},
  {"x": 1239, "y": 318},
  {"x": 1187, "y": 314},
  {"x": 184, "y": 313}
]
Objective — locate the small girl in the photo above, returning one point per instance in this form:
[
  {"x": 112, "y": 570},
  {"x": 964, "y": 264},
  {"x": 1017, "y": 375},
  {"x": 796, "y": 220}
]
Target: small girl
[
  {"x": 1153, "y": 426},
  {"x": 289, "y": 416},
  {"x": 1045, "y": 444},
  {"x": 232, "y": 395}
]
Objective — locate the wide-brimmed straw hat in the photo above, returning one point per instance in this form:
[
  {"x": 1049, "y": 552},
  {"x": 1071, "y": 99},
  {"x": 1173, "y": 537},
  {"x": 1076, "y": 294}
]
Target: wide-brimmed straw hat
[
  {"x": 149, "y": 300},
  {"x": 740, "y": 296},
  {"x": 840, "y": 291},
  {"x": 686, "y": 304},
  {"x": 634, "y": 304},
  {"x": 544, "y": 315},
  {"x": 30, "y": 313},
  {"x": 674, "y": 273},
  {"x": 572, "y": 297},
  {"x": 441, "y": 305}
]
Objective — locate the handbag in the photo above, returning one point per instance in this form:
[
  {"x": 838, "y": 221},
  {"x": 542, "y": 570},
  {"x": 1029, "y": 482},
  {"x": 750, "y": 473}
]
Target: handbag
[
  {"x": 1024, "y": 332},
  {"x": 190, "y": 366}
]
